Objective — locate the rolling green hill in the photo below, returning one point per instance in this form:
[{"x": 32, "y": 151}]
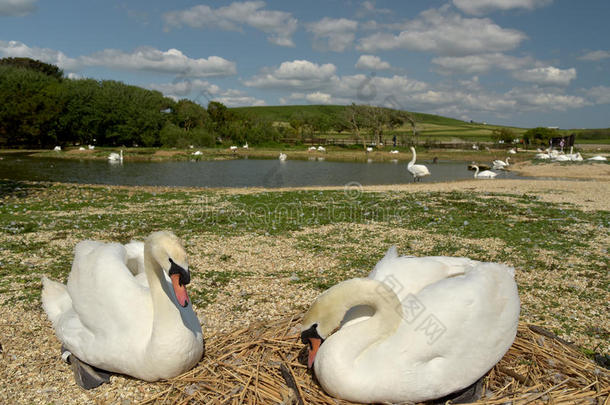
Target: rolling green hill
[{"x": 432, "y": 127}]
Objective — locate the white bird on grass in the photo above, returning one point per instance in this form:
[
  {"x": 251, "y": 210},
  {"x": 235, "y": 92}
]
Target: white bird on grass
[
  {"x": 598, "y": 158},
  {"x": 485, "y": 174},
  {"x": 282, "y": 156},
  {"x": 418, "y": 171},
  {"x": 417, "y": 329},
  {"x": 125, "y": 310}
]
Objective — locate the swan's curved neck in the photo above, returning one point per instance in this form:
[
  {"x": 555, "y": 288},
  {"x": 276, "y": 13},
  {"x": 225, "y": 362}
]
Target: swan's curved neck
[
  {"x": 165, "y": 311},
  {"x": 476, "y": 171},
  {"x": 354, "y": 340},
  {"x": 412, "y": 162}
]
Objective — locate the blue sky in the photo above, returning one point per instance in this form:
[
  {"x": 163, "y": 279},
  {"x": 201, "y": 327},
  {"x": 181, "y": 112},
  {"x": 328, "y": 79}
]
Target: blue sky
[{"x": 514, "y": 62}]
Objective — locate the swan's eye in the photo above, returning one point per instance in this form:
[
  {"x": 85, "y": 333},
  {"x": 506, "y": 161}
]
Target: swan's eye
[{"x": 312, "y": 332}]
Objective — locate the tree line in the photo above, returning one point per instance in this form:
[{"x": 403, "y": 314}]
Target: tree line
[{"x": 40, "y": 108}]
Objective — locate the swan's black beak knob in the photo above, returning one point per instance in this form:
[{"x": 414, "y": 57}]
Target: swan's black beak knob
[{"x": 185, "y": 275}]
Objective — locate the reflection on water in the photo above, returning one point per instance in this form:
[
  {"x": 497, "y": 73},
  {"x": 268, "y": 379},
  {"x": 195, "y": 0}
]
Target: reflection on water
[{"x": 226, "y": 173}]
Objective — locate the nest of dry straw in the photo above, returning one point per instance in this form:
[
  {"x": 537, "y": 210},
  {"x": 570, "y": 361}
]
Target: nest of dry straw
[{"x": 264, "y": 364}]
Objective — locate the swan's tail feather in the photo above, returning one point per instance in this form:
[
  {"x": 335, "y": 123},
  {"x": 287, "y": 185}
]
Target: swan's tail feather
[{"x": 55, "y": 299}]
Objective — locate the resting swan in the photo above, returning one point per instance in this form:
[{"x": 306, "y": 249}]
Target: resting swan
[
  {"x": 418, "y": 171},
  {"x": 416, "y": 329},
  {"x": 125, "y": 308}
]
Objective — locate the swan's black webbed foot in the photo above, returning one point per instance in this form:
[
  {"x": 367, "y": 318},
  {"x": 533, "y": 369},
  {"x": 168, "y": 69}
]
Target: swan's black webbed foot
[
  {"x": 471, "y": 393},
  {"x": 85, "y": 375}
]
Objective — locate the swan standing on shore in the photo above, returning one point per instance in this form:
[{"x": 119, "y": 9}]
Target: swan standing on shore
[
  {"x": 418, "y": 171},
  {"x": 417, "y": 329},
  {"x": 125, "y": 310},
  {"x": 282, "y": 156},
  {"x": 485, "y": 174}
]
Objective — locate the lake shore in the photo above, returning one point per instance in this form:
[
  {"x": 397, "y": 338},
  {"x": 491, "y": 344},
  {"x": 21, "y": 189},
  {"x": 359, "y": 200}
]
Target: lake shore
[
  {"x": 259, "y": 270},
  {"x": 338, "y": 154}
]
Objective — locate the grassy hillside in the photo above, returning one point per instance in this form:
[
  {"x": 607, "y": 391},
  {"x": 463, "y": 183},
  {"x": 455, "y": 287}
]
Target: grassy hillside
[{"x": 431, "y": 127}]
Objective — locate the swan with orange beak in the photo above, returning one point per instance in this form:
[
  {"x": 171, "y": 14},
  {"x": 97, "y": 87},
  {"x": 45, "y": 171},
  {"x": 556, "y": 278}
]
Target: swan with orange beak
[{"x": 125, "y": 309}]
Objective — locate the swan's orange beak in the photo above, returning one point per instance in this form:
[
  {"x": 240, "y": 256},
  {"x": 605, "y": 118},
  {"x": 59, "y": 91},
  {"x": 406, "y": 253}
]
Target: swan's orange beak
[
  {"x": 314, "y": 345},
  {"x": 179, "y": 290}
]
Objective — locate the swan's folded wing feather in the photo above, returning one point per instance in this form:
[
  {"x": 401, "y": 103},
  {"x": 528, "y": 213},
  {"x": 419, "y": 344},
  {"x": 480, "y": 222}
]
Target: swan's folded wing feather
[
  {"x": 135, "y": 257},
  {"x": 408, "y": 275},
  {"x": 106, "y": 297},
  {"x": 468, "y": 315}
]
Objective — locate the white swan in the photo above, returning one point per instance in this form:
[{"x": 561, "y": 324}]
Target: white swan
[
  {"x": 369, "y": 149},
  {"x": 598, "y": 158},
  {"x": 499, "y": 164},
  {"x": 282, "y": 156},
  {"x": 416, "y": 329},
  {"x": 125, "y": 308},
  {"x": 394, "y": 151},
  {"x": 418, "y": 171},
  {"x": 485, "y": 174},
  {"x": 116, "y": 157}
]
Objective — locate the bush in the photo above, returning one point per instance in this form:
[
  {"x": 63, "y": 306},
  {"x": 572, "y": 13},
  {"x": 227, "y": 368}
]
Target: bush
[
  {"x": 539, "y": 135},
  {"x": 503, "y": 134},
  {"x": 172, "y": 135}
]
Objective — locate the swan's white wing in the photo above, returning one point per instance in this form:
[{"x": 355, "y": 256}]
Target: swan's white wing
[
  {"x": 464, "y": 321},
  {"x": 105, "y": 296},
  {"x": 135, "y": 257},
  {"x": 408, "y": 275}
]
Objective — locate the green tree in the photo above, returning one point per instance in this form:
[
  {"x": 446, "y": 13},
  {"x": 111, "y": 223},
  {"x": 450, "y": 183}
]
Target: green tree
[
  {"x": 539, "y": 135},
  {"x": 503, "y": 134},
  {"x": 32, "y": 64}
]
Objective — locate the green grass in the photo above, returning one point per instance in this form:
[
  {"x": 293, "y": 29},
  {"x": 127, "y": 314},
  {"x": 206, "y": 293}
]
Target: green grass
[{"x": 537, "y": 237}]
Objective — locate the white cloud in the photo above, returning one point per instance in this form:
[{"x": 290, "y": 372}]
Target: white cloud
[
  {"x": 298, "y": 74},
  {"x": 279, "y": 25},
  {"x": 371, "y": 62},
  {"x": 17, "y": 8},
  {"x": 319, "y": 98},
  {"x": 534, "y": 98},
  {"x": 333, "y": 34},
  {"x": 203, "y": 92},
  {"x": 480, "y": 63},
  {"x": 480, "y": 7},
  {"x": 595, "y": 55},
  {"x": 197, "y": 88},
  {"x": 600, "y": 94},
  {"x": 18, "y": 49},
  {"x": 237, "y": 98},
  {"x": 170, "y": 61},
  {"x": 548, "y": 75},
  {"x": 446, "y": 33},
  {"x": 142, "y": 59}
]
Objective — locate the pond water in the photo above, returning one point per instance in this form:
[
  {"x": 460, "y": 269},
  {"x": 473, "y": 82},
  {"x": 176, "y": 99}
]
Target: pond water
[{"x": 225, "y": 173}]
